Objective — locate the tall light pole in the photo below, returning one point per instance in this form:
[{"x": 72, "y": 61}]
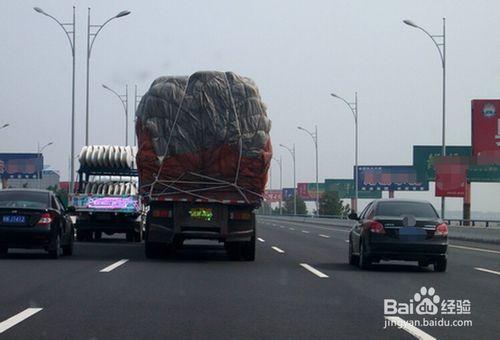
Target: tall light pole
[
  {"x": 124, "y": 100},
  {"x": 353, "y": 106},
  {"x": 280, "y": 163},
  {"x": 90, "y": 43},
  {"x": 314, "y": 136},
  {"x": 71, "y": 38},
  {"x": 292, "y": 152},
  {"x": 137, "y": 99},
  {"x": 4, "y": 126},
  {"x": 440, "y": 42},
  {"x": 39, "y": 150}
]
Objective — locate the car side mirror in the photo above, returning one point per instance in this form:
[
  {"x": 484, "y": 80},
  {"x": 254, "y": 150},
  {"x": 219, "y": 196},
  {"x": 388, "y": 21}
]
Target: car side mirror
[
  {"x": 353, "y": 216},
  {"x": 71, "y": 209}
]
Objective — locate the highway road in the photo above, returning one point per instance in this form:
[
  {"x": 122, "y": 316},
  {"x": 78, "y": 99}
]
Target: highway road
[{"x": 300, "y": 286}]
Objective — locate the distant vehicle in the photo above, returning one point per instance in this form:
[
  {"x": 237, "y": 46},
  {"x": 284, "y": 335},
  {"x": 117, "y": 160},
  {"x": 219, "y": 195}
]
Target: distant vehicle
[
  {"x": 107, "y": 200},
  {"x": 395, "y": 229},
  {"x": 35, "y": 219}
]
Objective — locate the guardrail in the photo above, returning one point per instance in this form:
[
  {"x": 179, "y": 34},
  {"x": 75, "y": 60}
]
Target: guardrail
[{"x": 476, "y": 233}]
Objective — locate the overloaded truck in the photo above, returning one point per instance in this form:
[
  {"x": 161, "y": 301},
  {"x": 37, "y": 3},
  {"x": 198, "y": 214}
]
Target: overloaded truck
[
  {"x": 107, "y": 200},
  {"x": 203, "y": 155}
]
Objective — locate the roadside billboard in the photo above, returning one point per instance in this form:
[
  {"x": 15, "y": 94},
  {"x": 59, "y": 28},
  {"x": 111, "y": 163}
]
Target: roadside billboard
[
  {"x": 389, "y": 178},
  {"x": 272, "y": 195},
  {"x": 21, "y": 165},
  {"x": 451, "y": 176},
  {"x": 307, "y": 191},
  {"x": 287, "y": 193},
  {"x": 486, "y": 131},
  {"x": 345, "y": 189},
  {"x": 424, "y": 156},
  {"x": 483, "y": 173}
]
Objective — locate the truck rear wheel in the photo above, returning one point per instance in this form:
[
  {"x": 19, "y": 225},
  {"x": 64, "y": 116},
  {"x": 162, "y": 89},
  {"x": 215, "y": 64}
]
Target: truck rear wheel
[
  {"x": 241, "y": 251},
  {"x": 248, "y": 250}
]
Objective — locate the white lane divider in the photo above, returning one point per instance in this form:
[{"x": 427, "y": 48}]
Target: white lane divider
[
  {"x": 278, "y": 249},
  {"x": 261, "y": 239},
  {"x": 113, "y": 266},
  {"x": 325, "y": 236},
  {"x": 314, "y": 271},
  {"x": 346, "y": 241},
  {"x": 487, "y": 270},
  {"x": 291, "y": 228},
  {"x": 305, "y": 231},
  {"x": 20, "y": 317},
  {"x": 476, "y": 249},
  {"x": 404, "y": 325},
  {"x": 282, "y": 226}
]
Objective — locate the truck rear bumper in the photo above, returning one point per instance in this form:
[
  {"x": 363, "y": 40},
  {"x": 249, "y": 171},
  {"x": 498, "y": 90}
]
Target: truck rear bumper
[{"x": 165, "y": 234}]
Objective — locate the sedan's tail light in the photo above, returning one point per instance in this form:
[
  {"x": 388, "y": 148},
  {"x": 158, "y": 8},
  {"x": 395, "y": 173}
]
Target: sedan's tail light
[
  {"x": 441, "y": 229},
  {"x": 376, "y": 227},
  {"x": 45, "y": 220}
]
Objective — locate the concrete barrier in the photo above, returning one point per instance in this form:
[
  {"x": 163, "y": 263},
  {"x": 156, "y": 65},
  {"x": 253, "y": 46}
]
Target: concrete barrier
[{"x": 475, "y": 234}]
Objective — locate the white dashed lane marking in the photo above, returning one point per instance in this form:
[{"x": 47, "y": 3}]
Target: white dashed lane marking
[
  {"x": 278, "y": 249},
  {"x": 260, "y": 239},
  {"x": 314, "y": 271},
  {"x": 113, "y": 266},
  {"x": 20, "y": 317},
  {"x": 487, "y": 270}
]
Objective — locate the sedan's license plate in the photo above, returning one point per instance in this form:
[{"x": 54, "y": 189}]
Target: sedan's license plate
[
  {"x": 14, "y": 219},
  {"x": 204, "y": 214}
]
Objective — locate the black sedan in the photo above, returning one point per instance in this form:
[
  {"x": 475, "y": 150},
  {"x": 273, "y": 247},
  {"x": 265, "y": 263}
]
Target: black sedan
[
  {"x": 395, "y": 229},
  {"x": 34, "y": 219}
]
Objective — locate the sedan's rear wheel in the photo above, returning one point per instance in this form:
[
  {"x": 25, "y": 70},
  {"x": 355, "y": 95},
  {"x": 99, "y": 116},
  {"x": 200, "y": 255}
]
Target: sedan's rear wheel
[
  {"x": 364, "y": 259},
  {"x": 4, "y": 251},
  {"x": 353, "y": 259},
  {"x": 440, "y": 265},
  {"x": 55, "y": 251}
]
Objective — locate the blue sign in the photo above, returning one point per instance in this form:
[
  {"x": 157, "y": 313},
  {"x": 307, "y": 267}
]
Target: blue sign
[
  {"x": 21, "y": 165},
  {"x": 288, "y": 193},
  {"x": 389, "y": 178}
]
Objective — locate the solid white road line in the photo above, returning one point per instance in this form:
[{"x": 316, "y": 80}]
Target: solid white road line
[
  {"x": 113, "y": 266},
  {"x": 278, "y": 249},
  {"x": 487, "y": 270},
  {"x": 12, "y": 321},
  {"x": 291, "y": 228},
  {"x": 305, "y": 231},
  {"x": 260, "y": 239},
  {"x": 476, "y": 249},
  {"x": 325, "y": 236},
  {"x": 314, "y": 270},
  {"x": 402, "y": 324}
]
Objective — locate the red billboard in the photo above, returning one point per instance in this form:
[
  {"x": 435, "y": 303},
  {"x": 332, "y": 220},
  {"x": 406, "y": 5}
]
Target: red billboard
[
  {"x": 272, "y": 196},
  {"x": 451, "y": 176},
  {"x": 486, "y": 131}
]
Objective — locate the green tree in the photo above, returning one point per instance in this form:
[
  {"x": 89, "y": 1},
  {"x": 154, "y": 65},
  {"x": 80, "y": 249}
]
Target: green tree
[
  {"x": 301, "y": 206},
  {"x": 330, "y": 204}
]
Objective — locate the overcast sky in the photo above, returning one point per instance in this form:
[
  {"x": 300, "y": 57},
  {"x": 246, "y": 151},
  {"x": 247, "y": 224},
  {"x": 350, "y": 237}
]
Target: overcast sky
[{"x": 296, "y": 51}]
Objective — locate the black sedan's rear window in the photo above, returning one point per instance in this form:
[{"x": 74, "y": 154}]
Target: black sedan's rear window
[
  {"x": 397, "y": 209},
  {"x": 26, "y": 199}
]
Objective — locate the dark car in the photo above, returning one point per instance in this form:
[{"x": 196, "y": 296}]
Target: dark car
[
  {"x": 395, "y": 229},
  {"x": 34, "y": 219}
]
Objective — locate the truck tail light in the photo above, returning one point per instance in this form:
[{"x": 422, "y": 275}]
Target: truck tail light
[
  {"x": 376, "y": 227},
  {"x": 240, "y": 215},
  {"x": 441, "y": 229},
  {"x": 162, "y": 213}
]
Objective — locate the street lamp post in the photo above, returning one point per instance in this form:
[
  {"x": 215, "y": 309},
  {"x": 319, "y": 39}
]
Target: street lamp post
[
  {"x": 280, "y": 163},
  {"x": 441, "y": 47},
  {"x": 137, "y": 99},
  {"x": 314, "y": 136},
  {"x": 90, "y": 43},
  {"x": 124, "y": 100},
  {"x": 353, "y": 106},
  {"x": 71, "y": 39},
  {"x": 292, "y": 152},
  {"x": 39, "y": 150}
]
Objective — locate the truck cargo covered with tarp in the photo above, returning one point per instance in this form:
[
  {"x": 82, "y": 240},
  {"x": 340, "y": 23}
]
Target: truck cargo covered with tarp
[{"x": 203, "y": 137}]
